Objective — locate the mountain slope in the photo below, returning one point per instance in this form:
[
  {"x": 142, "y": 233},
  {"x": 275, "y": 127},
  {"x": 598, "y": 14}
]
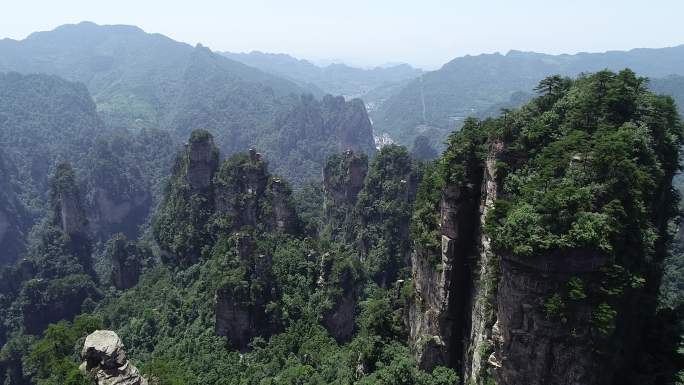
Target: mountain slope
[
  {"x": 45, "y": 120},
  {"x": 135, "y": 77},
  {"x": 672, "y": 85},
  {"x": 42, "y": 119},
  {"x": 336, "y": 79},
  {"x": 437, "y": 102},
  {"x": 13, "y": 216},
  {"x": 148, "y": 81}
]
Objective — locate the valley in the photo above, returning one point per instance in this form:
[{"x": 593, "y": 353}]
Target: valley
[{"x": 174, "y": 215}]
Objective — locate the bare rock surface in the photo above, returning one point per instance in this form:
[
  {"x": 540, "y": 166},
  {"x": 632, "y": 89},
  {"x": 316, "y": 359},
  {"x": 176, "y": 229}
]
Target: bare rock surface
[{"x": 104, "y": 358}]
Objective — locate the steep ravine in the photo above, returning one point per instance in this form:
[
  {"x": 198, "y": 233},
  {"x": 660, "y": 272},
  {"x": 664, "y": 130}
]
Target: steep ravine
[
  {"x": 484, "y": 273},
  {"x": 438, "y": 312}
]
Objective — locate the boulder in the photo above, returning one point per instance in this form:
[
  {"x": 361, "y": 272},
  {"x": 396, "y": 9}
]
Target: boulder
[{"x": 104, "y": 358}]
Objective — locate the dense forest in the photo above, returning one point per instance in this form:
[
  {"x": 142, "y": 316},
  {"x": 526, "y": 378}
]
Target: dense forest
[
  {"x": 148, "y": 81},
  {"x": 341, "y": 282},
  {"x": 169, "y": 216}
]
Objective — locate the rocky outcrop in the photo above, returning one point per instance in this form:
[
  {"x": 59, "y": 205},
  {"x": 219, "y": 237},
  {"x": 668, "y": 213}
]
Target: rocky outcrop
[
  {"x": 343, "y": 177},
  {"x": 126, "y": 258},
  {"x": 69, "y": 215},
  {"x": 241, "y": 310},
  {"x": 348, "y": 121},
  {"x": 104, "y": 359},
  {"x": 534, "y": 347},
  {"x": 247, "y": 195},
  {"x": 310, "y": 130},
  {"x": 202, "y": 161},
  {"x": 383, "y": 214},
  {"x": 345, "y": 287},
  {"x": 69, "y": 212},
  {"x": 283, "y": 216},
  {"x": 179, "y": 227}
]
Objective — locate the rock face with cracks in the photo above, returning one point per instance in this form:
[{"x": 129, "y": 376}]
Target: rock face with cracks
[{"x": 104, "y": 358}]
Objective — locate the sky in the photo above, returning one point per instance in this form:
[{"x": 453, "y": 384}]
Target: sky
[{"x": 424, "y": 33}]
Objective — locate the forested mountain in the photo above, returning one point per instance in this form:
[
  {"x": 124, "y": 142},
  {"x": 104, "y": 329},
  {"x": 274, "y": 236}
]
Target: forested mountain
[
  {"x": 45, "y": 120},
  {"x": 136, "y": 79},
  {"x": 529, "y": 252},
  {"x": 439, "y": 101},
  {"x": 672, "y": 85},
  {"x": 336, "y": 79},
  {"x": 234, "y": 225},
  {"x": 14, "y": 218},
  {"x": 140, "y": 80}
]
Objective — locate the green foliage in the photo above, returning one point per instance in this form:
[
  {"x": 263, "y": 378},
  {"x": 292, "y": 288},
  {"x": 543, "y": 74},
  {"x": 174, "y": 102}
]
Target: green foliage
[
  {"x": 54, "y": 359},
  {"x": 308, "y": 201},
  {"x": 603, "y": 318},
  {"x": 179, "y": 224},
  {"x": 425, "y": 219},
  {"x": 460, "y": 166},
  {"x": 554, "y": 306},
  {"x": 592, "y": 183},
  {"x": 480, "y": 86},
  {"x": 576, "y": 290},
  {"x": 344, "y": 175},
  {"x": 422, "y": 149},
  {"x": 384, "y": 210}
]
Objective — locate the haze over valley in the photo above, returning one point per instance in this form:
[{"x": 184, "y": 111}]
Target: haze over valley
[{"x": 214, "y": 213}]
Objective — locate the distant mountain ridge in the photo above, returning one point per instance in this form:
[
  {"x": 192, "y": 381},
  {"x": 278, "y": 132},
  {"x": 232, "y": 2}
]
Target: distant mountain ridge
[
  {"x": 140, "y": 81},
  {"x": 135, "y": 77},
  {"x": 437, "y": 102},
  {"x": 336, "y": 79}
]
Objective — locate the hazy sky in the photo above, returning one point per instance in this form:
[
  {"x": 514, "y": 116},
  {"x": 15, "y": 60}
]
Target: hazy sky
[{"x": 374, "y": 32}]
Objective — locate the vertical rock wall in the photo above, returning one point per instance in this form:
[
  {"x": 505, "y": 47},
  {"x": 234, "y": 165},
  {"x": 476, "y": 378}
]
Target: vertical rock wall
[
  {"x": 482, "y": 291},
  {"x": 437, "y": 315}
]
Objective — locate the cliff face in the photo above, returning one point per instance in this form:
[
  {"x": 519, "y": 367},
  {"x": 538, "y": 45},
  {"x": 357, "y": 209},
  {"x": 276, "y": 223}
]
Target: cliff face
[
  {"x": 343, "y": 177},
  {"x": 311, "y": 130},
  {"x": 69, "y": 215},
  {"x": 484, "y": 273},
  {"x": 179, "y": 227},
  {"x": 349, "y": 123},
  {"x": 45, "y": 301},
  {"x": 283, "y": 217},
  {"x": 241, "y": 310},
  {"x": 531, "y": 347},
  {"x": 126, "y": 258},
  {"x": 247, "y": 195},
  {"x": 438, "y": 312},
  {"x": 342, "y": 281},
  {"x": 484, "y": 313},
  {"x": 383, "y": 213},
  {"x": 551, "y": 249},
  {"x": 202, "y": 161},
  {"x": 111, "y": 213},
  {"x": 13, "y": 218}
]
